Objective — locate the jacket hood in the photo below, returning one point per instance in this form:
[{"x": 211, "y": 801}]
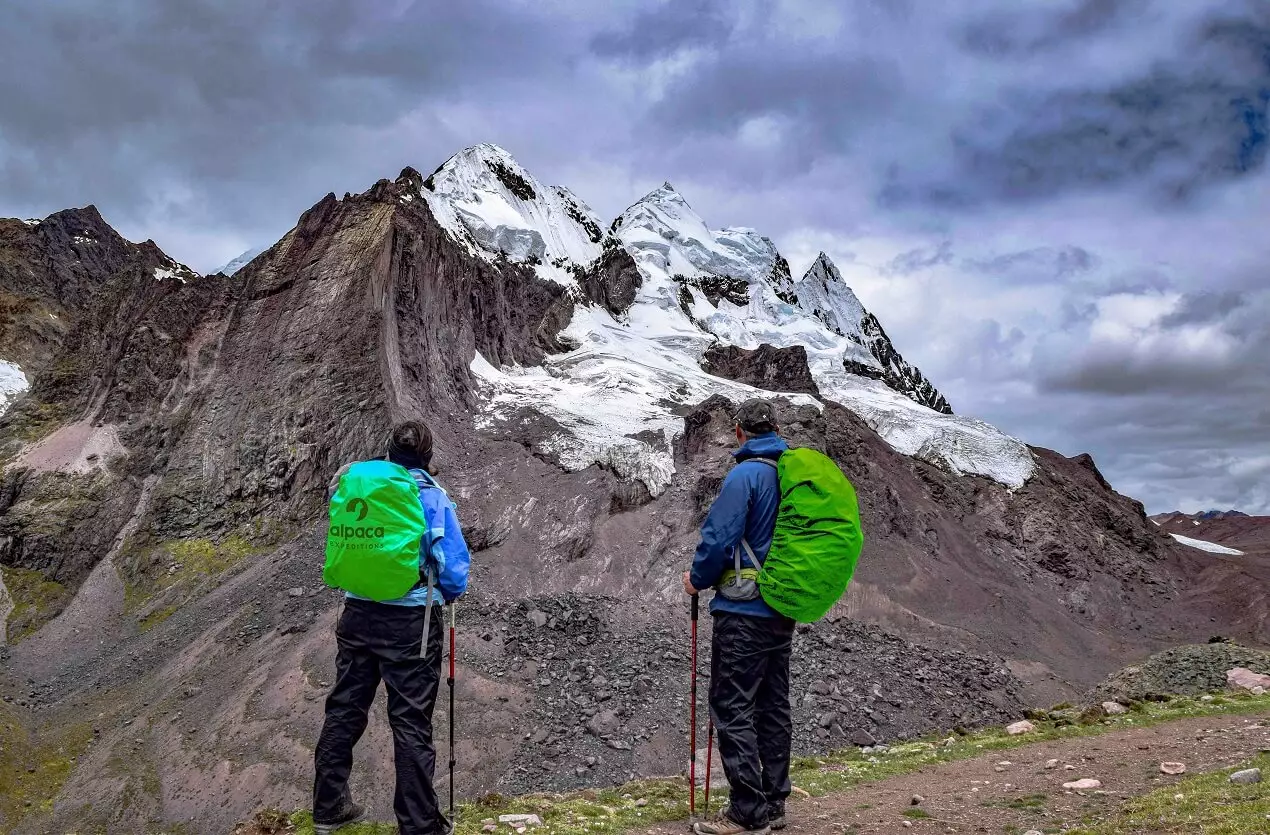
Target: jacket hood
[{"x": 763, "y": 446}]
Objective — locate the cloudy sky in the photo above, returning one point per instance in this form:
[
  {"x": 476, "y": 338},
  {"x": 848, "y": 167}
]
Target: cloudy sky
[{"x": 1058, "y": 208}]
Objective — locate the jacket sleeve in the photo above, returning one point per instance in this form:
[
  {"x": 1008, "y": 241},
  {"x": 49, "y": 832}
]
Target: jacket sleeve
[
  {"x": 452, "y": 554},
  {"x": 722, "y": 531}
]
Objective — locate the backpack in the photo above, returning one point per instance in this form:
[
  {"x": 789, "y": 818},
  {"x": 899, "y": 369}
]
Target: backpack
[
  {"x": 815, "y": 545},
  {"x": 377, "y": 525}
]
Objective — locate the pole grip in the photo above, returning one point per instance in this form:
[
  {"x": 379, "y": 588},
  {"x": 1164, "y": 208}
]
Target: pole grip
[{"x": 696, "y": 606}]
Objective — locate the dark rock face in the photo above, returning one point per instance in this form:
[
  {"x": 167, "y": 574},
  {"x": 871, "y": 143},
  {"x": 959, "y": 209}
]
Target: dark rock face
[
  {"x": 716, "y": 288},
  {"x": 898, "y": 374},
  {"x": 50, "y": 273},
  {"x": 766, "y": 367},
  {"x": 240, "y": 396},
  {"x": 612, "y": 281}
]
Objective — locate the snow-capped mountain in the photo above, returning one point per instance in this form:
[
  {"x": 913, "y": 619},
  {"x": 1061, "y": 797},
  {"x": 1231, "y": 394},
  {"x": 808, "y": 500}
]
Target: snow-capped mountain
[
  {"x": 616, "y": 394},
  {"x": 486, "y": 199},
  {"x": 239, "y": 262},
  {"x": 822, "y": 293}
]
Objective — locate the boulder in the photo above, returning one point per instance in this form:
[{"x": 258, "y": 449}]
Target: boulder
[
  {"x": 1241, "y": 678},
  {"x": 1020, "y": 728}
]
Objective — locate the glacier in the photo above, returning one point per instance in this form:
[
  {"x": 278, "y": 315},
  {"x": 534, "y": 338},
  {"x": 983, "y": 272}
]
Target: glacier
[
  {"x": 1203, "y": 545},
  {"x": 618, "y": 396},
  {"x": 13, "y": 382}
]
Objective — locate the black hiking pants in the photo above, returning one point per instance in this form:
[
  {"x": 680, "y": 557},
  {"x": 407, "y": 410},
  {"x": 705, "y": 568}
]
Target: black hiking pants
[
  {"x": 378, "y": 641},
  {"x": 749, "y": 703}
]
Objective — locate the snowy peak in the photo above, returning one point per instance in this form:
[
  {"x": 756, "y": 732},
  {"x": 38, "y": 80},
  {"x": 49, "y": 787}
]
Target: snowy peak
[
  {"x": 666, "y": 233},
  {"x": 486, "y": 199},
  {"x": 616, "y": 394},
  {"x": 822, "y": 293},
  {"x": 239, "y": 262}
]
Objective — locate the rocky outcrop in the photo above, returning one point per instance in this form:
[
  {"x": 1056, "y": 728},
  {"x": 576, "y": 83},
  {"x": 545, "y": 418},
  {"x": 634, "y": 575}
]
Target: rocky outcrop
[
  {"x": 612, "y": 281},
  {"x": 240, "y": 396},
  {"x": 50, "y": 272},
  {"x": 902, "y": 376},
  {"x": 773, "y": 369}
]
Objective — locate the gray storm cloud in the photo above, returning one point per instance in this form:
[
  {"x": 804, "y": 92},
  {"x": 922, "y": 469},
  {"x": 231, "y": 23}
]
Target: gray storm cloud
[{"x": 1056, "y": 209}]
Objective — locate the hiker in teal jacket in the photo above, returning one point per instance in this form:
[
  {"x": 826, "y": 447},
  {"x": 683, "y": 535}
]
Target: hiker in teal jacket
[{"x": 750, "y": 644}]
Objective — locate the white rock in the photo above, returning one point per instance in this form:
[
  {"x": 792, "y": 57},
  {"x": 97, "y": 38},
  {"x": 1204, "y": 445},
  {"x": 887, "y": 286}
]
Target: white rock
[
  {"x": 1020, "y": 728},
  {"x": 1247, "y": 777},
  {"x": 1114, "y": 708},
  {"x": 1081, "y": 785},
  {"x": 520, "y": 820},
  {"x": 1051, "y": 764},
  {"x": 1173, "y": 768}
]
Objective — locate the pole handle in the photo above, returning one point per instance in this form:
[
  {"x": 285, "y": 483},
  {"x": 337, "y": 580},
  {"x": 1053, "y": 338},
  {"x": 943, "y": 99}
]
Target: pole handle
[{"x": 696, "y": 606}]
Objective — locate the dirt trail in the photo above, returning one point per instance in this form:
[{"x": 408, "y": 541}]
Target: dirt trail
[{"x": 974, "y": 796}]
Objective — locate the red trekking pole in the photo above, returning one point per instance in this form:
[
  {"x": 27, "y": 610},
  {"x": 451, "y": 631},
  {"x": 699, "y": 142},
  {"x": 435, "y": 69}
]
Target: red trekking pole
[
  {"x": 692, "y": 721},
  {"x": 709, "y": 757}
]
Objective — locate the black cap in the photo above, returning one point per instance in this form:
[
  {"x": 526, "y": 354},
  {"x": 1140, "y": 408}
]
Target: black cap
[{"x": 756, "y": 416}]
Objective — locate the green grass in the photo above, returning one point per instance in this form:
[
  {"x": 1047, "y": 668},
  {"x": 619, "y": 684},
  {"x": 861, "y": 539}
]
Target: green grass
[
  {"x": 34, "y": 767},
  {"x": 1209, "y": 805},
  {"x": 157, "y": 617},
  {"x": 33, "y": 597},
  {"x": 917, "y": 814},
  {"x": 180, "y": 565},
  {"x": 603, "y": 812},
  {"x": 1031, "y": 802}
]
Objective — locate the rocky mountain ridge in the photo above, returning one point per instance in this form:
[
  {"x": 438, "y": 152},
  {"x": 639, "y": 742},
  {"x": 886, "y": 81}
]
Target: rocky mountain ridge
[{"x": 161, "y": 505}]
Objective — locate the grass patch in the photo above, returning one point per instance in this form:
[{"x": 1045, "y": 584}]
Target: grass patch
[
  {"x": 157, "y": 617},
  {"x": 1031, "y": 802},
  {"x": 182, "y": 565},
  {"x": 917, "y": 814},
  {"x": 34, "y": 767},
  {"x": 608, "y": 811},
  {"x": 1209, "y": 805},
  {"x": 33, "y": 596}
]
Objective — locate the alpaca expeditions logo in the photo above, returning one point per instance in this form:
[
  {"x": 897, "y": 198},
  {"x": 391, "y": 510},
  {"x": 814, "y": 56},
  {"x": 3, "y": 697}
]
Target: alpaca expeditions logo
[{"x": 367, "y": 534}]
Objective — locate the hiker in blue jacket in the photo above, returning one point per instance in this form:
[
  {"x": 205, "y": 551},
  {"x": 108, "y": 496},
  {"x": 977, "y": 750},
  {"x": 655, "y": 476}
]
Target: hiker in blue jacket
[
  {"x": 750, "y": 645},
  {"x": 384, "y": 641}
]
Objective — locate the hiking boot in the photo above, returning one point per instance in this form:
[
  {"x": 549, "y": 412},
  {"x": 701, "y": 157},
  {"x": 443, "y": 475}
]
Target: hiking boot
[
  {"x": 776, "y": 816},
  {"x": 351, "y": 813},
  {"x": 723, "y": 824}
]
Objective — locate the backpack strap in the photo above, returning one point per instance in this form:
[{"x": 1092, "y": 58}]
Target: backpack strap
[
  {"x": 427, "y": 615},
  {"x": 745, "y": 543}
]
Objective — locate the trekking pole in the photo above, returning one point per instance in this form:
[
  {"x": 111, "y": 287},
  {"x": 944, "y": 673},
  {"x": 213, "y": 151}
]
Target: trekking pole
[
  {"x": 709, "y": 757},
  {"x": 692, "y": 721},
  {"x": 450, "y": 681}
]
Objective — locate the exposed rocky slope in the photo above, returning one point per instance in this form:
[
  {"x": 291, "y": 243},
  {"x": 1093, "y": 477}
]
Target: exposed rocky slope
[
  {"x": 162, "y": 508},
  {"x": 1249, "y": 534}
]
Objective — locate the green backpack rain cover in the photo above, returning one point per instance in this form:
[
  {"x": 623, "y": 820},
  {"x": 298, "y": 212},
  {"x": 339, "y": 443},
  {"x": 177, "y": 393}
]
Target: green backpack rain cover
[
  {"x": 817, "y": 540},
  {"x": 377, "y": 524}
]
